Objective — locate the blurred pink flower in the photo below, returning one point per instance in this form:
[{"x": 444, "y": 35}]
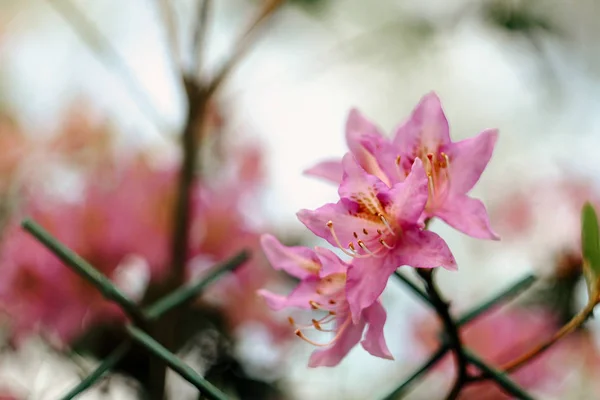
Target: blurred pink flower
[
  {"x": 498, "y": 338},
  {"x": 547, "y": 226},
  {"x": 322, "y": 288},
  {"x": 125, "y": 214},
  {"x": 384, "y": 224}
]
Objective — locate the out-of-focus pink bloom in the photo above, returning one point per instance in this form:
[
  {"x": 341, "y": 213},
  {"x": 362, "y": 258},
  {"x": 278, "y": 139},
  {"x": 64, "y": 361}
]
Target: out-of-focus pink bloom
[
  {"x": 452, "y": 168},
  {"x": 379, "y": 227},
  {"x": 499, "y": 338},
  {"x": 323, "y": 279},
  {"x": 548, "y": 224},
  {"x": 15, "y": 146}
]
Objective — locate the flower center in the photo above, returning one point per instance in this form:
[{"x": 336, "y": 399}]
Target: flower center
[
  {"x": 438, "y": 177},
  {"x": 331, "y": 300}
]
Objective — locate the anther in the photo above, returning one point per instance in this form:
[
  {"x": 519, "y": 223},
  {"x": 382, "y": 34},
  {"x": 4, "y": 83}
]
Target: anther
[
  {"x": 291, "y": 321},
  {"x": 351, "y": 246},
  {"x": 314, "y": 305},
  {"x": 386, "y": 223},
  {"x": 365, "y": 231},
  {"x": 364, "y": 247},
  {"x": 355, "y": 235},
  {"x": 329, "y": 224},
  {"x": 384, "y": 244},
  {"x": 332, "y": 301}
]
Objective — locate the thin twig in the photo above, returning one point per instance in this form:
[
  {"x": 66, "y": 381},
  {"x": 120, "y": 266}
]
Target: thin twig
[
  {"x": 185, "y": 293},
  {"x": 85, "y": 270},
  {"x": 185, "y": 371},
  {"x": 413, "y": 287},
  {"x": 454, "y": 341},
  {"x": 172, "y": 31},
  {"x": 571, "y": 326},
  {"x": 497, "y": 300},
  {"x": 107, "y": 364},
  {"x": 427, "y": 365},
  {"x": 200, "y": 36},
  {"x": 244, "y": 43},
  {"x": 109, "y": 56}
]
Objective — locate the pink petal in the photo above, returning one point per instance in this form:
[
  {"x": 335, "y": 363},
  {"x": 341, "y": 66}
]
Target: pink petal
[
  {"x": 357, "y": 126},
  {"x": 385, "y": 154},
  {"x": 328, "y": 170},
  {"x": 374, "y": 341},
  {"x": 468, "y": 159},
  {"x": 424, "y": 249},
  {"x": 467, "y": 215},
  {"x": 330, "y": 262},
  {"x": 357, "y": 182},
  {"x": 344, "y": 224},
  {"x": 359, "y": 129},
  {"x": 299, "y": 297},
  {"x": 427, "y": 127},
  {"x": 297, "y": 261},
  {"x": 409, "y": 198},
  {"x": 331, "y": 356},
  {"x": 367, "y": 278}
]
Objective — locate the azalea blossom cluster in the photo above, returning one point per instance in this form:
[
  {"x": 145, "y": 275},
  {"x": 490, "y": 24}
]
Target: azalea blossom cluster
[
  {"x": 388, "y": 190},
  {"x": 121, "y": 222}
]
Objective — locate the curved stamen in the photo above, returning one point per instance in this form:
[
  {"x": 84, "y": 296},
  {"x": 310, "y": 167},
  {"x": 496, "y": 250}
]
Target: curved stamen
[
  {"x": 446, "y": 165},
  {"x": 341, "y": 330},
  {"x": 353, "y": 254},
  {"x": 364, "y": 247},
  {"x": 384, "y": 244},
  {"x": 386, "y": 223},
  {"x": 430, "y": 184}
]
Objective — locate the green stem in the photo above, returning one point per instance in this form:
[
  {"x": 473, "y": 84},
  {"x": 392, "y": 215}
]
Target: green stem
[
  {"x": 414, "y": 288},
  {"x": 433, "y": 360},
  {"x": 210, "y": 391},
  {"x": 185, "y": 293},
  {"x": 500, "y": 378},
  {"x": 442, "y": 308},
  {"x": 109, "y": 362},
  {"x": 501, "y": 297},
  {"x": 84, "y": 269}
]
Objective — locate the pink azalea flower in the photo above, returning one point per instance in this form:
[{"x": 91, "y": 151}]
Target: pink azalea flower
[
  {"x": 452, "y": 168},
  {"x": 323, "y": 280},
  {"x": 380, "y": 227}
]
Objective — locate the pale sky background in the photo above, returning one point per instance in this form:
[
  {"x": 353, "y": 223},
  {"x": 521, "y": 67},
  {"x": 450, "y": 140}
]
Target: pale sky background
[{"x": 294, "y": 90}]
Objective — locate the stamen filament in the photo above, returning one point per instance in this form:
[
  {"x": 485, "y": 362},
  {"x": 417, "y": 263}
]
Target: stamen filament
[
  {"x": 341, "y": 330},
  {"x": 384, "y": 244},
  {"x": 430, "y": 184},
  {"x": 353, "y": 254},
  {"x": 386, "y": 223},
  {"x": 364, "y": 247}
]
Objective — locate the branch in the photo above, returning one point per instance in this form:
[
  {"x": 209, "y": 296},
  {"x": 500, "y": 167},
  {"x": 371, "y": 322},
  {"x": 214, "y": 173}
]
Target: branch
[
  {"x": 200, "y": 36},
  {"x": 109, "y": 56},
  {"x": 442, "y": 308},
  {"x": 172, "y": 33},
  {"x": 571, "y": 326},
  {"x": 244, "y": 43}
]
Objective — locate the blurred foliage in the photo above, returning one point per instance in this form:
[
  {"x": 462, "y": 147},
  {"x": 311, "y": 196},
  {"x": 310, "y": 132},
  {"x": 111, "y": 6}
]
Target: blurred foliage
[
  {"x": 202, "y": 337},
  {"x": 518, "y": 18}
]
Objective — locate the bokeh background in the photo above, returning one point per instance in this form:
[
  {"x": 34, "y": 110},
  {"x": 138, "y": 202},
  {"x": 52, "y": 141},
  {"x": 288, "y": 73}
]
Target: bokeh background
[{"x": 77, "y": 115}]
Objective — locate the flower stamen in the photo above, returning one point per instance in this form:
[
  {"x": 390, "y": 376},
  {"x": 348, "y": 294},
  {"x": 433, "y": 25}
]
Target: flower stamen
[
  {"x": 341, "y": 330},
  {"x": 386, "y": 223},
  {"x": 384, "y": 244},
  {"x": 366, "y": 249},
  {"x": 353, "y": 253}
]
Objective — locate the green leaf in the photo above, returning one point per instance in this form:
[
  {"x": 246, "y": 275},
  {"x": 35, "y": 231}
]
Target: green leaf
[{"x": 590, "y": 248}]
